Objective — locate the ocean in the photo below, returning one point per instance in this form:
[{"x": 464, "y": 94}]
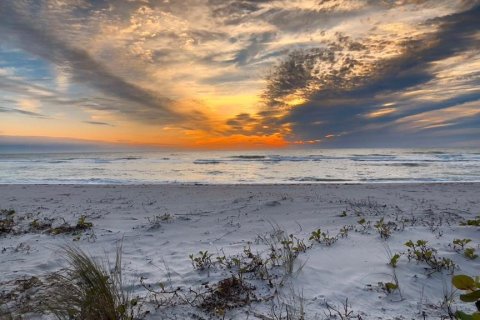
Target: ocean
[{"x": 242, "y": 167}]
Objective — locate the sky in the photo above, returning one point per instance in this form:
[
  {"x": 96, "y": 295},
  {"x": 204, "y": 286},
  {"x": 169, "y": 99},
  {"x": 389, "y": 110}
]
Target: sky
[{"x": 227, "y": 74}]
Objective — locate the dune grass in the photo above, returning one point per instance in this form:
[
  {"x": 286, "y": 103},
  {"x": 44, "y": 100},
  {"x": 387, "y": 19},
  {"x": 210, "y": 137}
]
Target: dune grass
[{"x": 89, "y": 290}]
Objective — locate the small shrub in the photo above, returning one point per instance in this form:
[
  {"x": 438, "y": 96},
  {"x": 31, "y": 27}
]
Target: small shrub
[
  {"x": 227, "y": 294},
  {"x": 473, "y": 222},
  {"x": 420, "y": 252},
  {"x": 291, "y": 248},
  {"x": 394, "y": 260},
  {"x": 39, "y": 225},
  {"x": 364, "y": 225},
  {"x": 322, "y": 237},
  {"x": 389, "y": 287},
  {"x": 470, "y": 253},
  {"x": 202, "y": 261},
  {"x": 472, "y": 288},
  {"x": 384, "y": 229},
  {"x": 459, "y": 244},
  {"x": 344, "y": 231},
  {"x": 82, "y": 225}
]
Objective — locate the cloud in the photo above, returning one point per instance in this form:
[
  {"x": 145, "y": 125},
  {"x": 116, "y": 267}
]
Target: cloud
[
  {"x": 17, "y": 27},
  {"x": 98, "y": 123},
  {"x": 344, "y": 92},
  {"x": 22, "y": 112},
  {"x": 324, "y": 71}
]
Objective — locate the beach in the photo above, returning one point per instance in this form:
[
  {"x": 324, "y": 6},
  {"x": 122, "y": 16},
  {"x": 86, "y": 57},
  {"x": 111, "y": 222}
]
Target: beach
[{"x": 159, "y": 226}]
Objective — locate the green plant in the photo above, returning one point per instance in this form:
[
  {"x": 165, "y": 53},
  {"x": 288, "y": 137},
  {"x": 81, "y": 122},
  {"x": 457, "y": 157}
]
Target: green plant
[
  {"x": 394, "y": 260},
  {"x": 472, "y": 288},
  {"x": 89, "y": 290},
  {"x": 344, "y": 231},
  {"x": 459, "y": 244},
  {"x": 383, "y": 229},
  {"x": 39, "y": 225},
  {"x": 364, "y": 225},
  {"x": 420, "y": 252},
  {"x": 389, "y": 287},
  {"x": 83, "y": 224},
  {"x": 473, "y": 222},
  {"x": 202, "y": 261},
  {"x": 289, "y": 253},
  {"x": 322, "y": 237},
  {"x": 470, "y": 253}
]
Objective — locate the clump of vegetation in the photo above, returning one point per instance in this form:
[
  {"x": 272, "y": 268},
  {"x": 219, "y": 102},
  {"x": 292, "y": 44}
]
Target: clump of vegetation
[
  {"x": 421, "y": 252},
  {"x": 227, "y": 294},
  {"x": 6, "y": 221},
  {"x": 157, "y": 220},
  {"x": 473, "y": 222},
  {"x": 89, "y": 290},
  {"x": 364, "y": 225},
  {"x": 82, "y": 225},
  {"x": 323, "y": 237},
  {"x": 459, "y": 244},
  {"x": 472, "y": 288},
  {"x": 469, "y": 253},
  {"x": 202, "y": 261},
  {"x": 384, "y": 229},
  {"x": 40, "y": 225},
  {"x": 292, "y": 247},
  {"x": 345, "y": 230},
  {"x": 388, "y": 287},
  {"x": 394, "y": 260}
]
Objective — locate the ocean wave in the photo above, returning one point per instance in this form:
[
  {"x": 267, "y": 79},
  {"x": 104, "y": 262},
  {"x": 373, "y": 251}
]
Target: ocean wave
[
  {"x": 214, "y": 172},
  {"x": 406, "y": 164},
  {"x": 314, "y": 179},
  {"x": 206, "y": 161},
  {"x": 249, "y": 157},
  {"x": 129, "y": 158}
]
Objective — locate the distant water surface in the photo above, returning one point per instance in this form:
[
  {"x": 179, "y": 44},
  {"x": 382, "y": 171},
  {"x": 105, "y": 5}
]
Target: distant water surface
[{"x": 239, "y": 167}]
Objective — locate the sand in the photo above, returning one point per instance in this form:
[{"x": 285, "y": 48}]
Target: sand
[{"x": 224, "y": 218}]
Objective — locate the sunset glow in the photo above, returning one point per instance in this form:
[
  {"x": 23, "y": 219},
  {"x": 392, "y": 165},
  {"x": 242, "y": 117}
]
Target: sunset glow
[{"x": 240, "y": 74}]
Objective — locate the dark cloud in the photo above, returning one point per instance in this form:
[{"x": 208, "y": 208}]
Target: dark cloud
[
  {"x": 98, "y": 123},
  {"x": 23, "y": 112},
  {"x": 340, "y": 101}
]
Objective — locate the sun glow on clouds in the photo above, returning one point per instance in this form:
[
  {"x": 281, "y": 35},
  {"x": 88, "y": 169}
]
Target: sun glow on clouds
[{"x": 234, "y": 73}]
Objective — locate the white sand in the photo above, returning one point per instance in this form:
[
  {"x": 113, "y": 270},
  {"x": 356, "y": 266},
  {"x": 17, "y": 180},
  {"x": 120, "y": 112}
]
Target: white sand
[{"x": 217, "y": 217}]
